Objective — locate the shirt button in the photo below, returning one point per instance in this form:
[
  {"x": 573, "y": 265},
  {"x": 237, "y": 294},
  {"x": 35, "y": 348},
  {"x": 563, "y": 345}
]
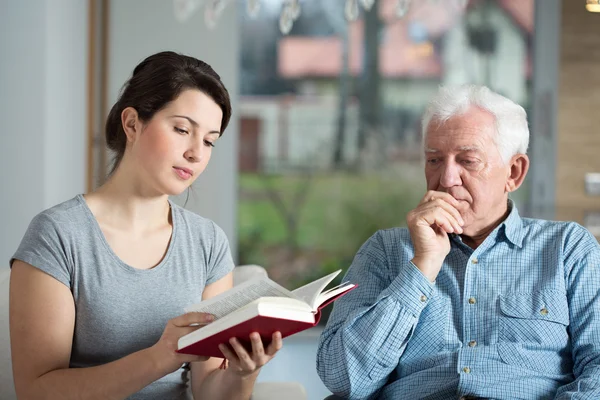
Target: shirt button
[
  {"x": 423, "y": 298},
  {"x": 474, "y": 261},
  {"x": 544, "y": 311},
  {"x": 472, "y": 343},
  {"x": 472, "y": 300},
  {"x": 467, "y": 370}
]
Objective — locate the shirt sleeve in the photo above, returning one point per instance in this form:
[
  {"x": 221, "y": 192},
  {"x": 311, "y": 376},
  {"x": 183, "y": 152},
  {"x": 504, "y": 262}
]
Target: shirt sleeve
[
  {"x": 44, "y": 247},
  {"x": 221, "y": 261},
  {"x": 369, "y": 327},
  {"x": 583, "y": 294}
]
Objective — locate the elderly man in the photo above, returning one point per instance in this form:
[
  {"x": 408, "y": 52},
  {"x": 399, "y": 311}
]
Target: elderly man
[{"x": 471, "y": 300}]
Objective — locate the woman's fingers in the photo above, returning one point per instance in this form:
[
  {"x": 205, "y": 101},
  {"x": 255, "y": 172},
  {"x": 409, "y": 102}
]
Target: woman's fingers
[
  {"x": 249, "y": 362},
  {"x": 192, "y": 318},
  {"x": 245, "y": 360},
  {"x": 258, "y": 350},
  {"x": 275, "y": 345}
]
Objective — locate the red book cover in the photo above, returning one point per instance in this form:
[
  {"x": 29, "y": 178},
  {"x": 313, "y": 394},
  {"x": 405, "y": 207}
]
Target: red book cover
[{"x": 264, "y": 315}]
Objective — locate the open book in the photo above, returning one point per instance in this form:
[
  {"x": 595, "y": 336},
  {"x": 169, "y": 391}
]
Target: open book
[{"x": 259, "y": 305}]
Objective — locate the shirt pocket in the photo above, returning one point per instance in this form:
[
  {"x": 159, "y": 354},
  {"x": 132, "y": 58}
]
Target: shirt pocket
[{"x": 533, "y": 331}]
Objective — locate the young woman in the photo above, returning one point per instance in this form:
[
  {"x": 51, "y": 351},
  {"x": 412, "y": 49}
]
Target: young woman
[{"x": 99, "y": 281}]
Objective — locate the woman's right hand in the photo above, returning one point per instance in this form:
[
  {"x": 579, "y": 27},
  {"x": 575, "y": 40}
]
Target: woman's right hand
[{"x": 165, "y": 350}]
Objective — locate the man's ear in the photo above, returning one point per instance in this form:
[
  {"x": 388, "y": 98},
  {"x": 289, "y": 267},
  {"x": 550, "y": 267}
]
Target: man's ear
[
  {"x": 519, "y": 165},
  {"x": 131, "y": 123}
]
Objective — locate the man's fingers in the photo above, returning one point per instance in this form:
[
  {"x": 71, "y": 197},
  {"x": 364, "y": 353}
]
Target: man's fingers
[
  {"x": 440, "y": 203},
  {"x": 192, "y": 318},
  {"x": 433, "y": 195},
  {"x": 440, "y": 217},
  {"x": 456, "y": 218}
]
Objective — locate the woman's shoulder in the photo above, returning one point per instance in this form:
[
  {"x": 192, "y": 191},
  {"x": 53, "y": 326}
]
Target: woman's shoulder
[
  {"x": 63, "y": 215},
  {"x": 196, "y": 224}
]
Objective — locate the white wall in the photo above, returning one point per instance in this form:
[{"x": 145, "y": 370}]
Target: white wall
[
  {"x": 134, "y": 35},
  {"x": 42, "y": 109},
  {"x": 463, "y": 64}
]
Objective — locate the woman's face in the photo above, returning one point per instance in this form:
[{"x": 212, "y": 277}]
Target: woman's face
[{"x": 174, "y": 147}]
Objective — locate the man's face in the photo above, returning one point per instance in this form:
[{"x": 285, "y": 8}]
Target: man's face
[{"x": 463, "y": 160}]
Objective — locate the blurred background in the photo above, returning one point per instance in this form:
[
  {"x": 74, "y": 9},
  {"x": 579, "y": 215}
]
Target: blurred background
[{"x": 324, "y": 144}]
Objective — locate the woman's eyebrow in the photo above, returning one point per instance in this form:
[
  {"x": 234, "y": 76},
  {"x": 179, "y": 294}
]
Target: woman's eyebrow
[{"x": 194, "y": 123}]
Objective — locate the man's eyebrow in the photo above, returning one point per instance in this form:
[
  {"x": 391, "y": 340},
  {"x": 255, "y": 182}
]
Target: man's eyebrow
[
  {"x": 468, "y": 148},
  {"x": 460, "y": 148},
  {"x": 196, "y": 125}
]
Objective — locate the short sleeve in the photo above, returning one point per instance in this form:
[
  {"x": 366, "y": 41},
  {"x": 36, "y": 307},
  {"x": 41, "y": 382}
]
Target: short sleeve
[
  {"x": 43, "y": 247},
  {"x": 221, "y": 262}
]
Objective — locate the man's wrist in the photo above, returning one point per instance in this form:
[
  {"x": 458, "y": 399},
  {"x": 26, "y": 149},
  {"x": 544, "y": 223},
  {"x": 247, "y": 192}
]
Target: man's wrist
[{"x": 429, "y": 267}]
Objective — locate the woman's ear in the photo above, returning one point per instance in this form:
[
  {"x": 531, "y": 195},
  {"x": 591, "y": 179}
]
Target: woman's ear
[
  {"x": 131, "y": 123},
  {"x": 519, "y": 165}
]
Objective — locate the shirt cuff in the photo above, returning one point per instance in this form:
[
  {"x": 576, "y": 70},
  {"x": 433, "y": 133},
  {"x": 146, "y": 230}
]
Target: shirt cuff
[{"x": 411, "y": 289}]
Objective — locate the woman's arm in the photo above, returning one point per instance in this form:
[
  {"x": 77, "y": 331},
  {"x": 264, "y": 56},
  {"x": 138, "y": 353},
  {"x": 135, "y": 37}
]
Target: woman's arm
[
  {"x": 237, "y": 381},
  {"x": 42, "y": 320}
]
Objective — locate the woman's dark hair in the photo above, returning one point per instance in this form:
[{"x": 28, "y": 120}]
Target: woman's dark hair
[{"x": 157, "y": 81}]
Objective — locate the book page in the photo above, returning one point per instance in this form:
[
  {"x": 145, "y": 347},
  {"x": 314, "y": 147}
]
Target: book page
[
  {"x": 333, "y": 292},
  {"x": 239, "y": 296},
  {"x": 309, "y": 293}
]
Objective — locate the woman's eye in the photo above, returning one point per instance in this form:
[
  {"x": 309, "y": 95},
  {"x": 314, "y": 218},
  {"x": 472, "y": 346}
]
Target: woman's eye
[
  {"x": 181, "y": 131},
  {"x": 209, "y": 143}
]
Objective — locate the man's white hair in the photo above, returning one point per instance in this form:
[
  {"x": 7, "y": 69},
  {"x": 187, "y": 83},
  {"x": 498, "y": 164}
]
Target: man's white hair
[{"x": 512, "y": 132}]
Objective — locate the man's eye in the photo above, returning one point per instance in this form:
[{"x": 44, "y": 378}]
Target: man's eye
[
  {"x": 432, "y": 161},
  {"x": 181, "y": 131}
]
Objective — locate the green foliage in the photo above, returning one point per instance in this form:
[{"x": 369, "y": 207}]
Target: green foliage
[{"x": 340, "y": 213}]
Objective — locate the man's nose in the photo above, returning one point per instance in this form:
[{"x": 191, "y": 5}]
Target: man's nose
[{"x": 450, "y": 175}]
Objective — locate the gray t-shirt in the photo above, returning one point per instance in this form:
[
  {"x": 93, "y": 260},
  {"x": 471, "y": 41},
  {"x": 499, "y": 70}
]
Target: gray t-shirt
[{"x": 121, "y": 309}]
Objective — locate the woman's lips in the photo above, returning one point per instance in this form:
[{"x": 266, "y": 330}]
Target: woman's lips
[{"x": 183, "y": 173}]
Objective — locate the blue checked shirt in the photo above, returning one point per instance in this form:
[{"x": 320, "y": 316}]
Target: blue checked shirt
[{"x": 517, "y": 318}]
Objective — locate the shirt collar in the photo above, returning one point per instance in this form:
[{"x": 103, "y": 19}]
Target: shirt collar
[{"x": 512, "y": 226}]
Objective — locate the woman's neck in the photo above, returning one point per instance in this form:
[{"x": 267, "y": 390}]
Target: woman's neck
[{"x": 122, "y": 203}]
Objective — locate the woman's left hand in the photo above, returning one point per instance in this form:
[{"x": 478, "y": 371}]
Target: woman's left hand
[{"x": 245, "y": 364}]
